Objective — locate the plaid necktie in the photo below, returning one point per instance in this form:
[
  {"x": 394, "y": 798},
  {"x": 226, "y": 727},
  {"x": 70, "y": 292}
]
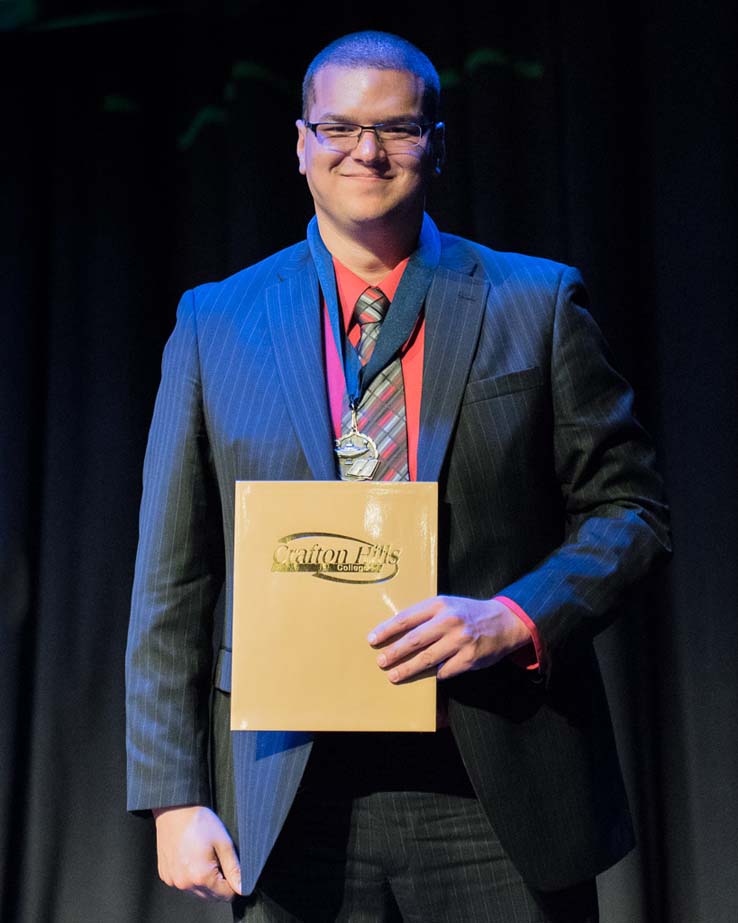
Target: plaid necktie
[{"x": 381, "y": 412}]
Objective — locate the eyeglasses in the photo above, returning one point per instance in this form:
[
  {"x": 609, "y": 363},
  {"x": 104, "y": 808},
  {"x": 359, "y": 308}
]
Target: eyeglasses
[{"x": 393, "y": 136}]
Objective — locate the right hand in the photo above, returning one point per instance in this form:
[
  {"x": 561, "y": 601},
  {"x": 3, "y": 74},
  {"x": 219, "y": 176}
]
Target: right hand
[{"x": 196, "y": 854}]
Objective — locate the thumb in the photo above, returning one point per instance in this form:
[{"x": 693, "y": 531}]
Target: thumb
[{"x": 229, "y": 864}]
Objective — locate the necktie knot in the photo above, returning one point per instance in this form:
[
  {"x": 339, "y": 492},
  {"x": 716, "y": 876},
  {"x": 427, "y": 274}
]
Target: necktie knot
[
  {"x": 371, "y": 306},
  {"x": 369, "y": 311}
]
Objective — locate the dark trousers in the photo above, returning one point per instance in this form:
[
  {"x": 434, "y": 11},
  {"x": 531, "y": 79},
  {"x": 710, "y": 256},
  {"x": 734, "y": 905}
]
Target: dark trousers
[
  {"x": 385, "y": 828},
  {"x": 388, "y": 857}
]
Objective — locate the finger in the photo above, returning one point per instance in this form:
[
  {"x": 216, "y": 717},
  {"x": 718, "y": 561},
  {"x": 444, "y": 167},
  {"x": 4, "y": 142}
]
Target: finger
[
  {"x": 424, "y": 661},
  {"x": 212, "y": 894},
  {"x": 213, "y": 886},
  {"x": 403, "y": 621},
  {"x": 220, "y": 890},
  {"x": 204, "y": 878},
  {"x": 411, "y": 643},
  {"x": 204, "y": 893},
  {"x": 453, "y": 666},
  {"x": 230, "y": 867}
]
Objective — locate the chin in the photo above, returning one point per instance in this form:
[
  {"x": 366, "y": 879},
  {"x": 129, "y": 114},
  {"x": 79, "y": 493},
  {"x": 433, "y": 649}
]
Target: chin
[
  {"x": 369, "y": 212},
  {"x": 370, "y": 215}
]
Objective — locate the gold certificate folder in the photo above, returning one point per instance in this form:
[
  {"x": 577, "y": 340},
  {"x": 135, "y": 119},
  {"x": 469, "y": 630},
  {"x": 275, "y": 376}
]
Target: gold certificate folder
[{"x": 318, "y": 564}]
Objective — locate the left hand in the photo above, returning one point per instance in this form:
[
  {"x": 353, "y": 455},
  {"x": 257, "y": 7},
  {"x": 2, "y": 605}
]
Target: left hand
[{"x": 451, "y": 633}]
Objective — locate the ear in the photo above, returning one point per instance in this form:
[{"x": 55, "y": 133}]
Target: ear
[
  {"x": 301, "y": 132},
  {"x": 438, "y": 152}
]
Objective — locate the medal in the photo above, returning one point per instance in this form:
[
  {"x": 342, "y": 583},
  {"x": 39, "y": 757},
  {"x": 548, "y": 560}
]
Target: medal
[{"x": 357, "y": 453}]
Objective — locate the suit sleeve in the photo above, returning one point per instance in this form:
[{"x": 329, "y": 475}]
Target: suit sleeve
[
  {"x": 617, "y": 518},
  {"x": 177, "y": 579}
]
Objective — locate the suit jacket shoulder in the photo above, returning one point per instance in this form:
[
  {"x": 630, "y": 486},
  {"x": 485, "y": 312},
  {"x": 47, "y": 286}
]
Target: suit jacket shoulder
[
  {"x": 247, "y": 283},
  {"x": 503, "y": 268}
]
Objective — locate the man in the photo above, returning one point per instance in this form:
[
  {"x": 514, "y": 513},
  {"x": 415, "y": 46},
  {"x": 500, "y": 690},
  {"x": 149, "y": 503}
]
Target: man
[{"x": 549, "y": 508}]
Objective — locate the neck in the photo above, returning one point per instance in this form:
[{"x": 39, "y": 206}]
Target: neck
[{"x": 369, "y": 252}]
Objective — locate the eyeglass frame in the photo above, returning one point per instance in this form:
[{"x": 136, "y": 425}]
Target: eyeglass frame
[{"x": 423, "y": 126}]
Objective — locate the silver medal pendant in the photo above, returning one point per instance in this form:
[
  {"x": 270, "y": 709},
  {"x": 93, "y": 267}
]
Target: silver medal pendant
[{"x": 357, "y": 454}]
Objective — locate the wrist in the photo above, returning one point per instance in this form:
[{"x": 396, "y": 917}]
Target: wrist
[{"x": 158, "y": 812}]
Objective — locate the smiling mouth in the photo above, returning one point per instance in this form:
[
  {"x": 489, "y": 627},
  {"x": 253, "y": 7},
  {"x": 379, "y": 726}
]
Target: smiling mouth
[{"x": 370, "y": 176}]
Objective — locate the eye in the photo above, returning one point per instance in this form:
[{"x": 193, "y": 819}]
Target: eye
[
  {"x": 337, "y": 129},
  {"x": 400, "y": 132}
]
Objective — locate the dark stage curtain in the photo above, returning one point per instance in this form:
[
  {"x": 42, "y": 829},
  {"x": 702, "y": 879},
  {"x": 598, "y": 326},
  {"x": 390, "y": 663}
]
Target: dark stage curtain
[{"x": 147, "y": 152}]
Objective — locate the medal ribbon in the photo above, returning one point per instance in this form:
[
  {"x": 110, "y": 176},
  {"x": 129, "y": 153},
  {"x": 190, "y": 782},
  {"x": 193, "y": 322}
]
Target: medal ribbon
[{"x": 401, "y": 316}]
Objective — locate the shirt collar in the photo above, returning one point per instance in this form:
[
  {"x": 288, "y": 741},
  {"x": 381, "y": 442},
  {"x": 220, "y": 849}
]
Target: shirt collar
[{"x": 350, "y": 286}]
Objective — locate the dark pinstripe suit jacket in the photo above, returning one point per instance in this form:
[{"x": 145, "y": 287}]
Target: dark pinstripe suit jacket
[{"x": 548, "y": 494}]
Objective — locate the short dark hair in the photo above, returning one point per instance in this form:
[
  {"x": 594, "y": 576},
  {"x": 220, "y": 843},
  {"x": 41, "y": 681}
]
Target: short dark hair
[{"x": 379, "y": 50}]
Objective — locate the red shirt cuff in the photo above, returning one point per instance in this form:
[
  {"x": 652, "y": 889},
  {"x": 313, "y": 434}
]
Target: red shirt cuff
[{"x": 530, "y": 656}]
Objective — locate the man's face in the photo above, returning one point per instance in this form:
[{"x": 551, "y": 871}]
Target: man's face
[{"x": 365, "y": 185}]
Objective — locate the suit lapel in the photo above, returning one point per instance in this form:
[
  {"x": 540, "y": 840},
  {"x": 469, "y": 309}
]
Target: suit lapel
[
  {"x": 453, "y": 315},
  {"x": 293, "y": 309}
]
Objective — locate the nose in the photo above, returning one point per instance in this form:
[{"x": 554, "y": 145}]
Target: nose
[{"x": 368, "y": 146}]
